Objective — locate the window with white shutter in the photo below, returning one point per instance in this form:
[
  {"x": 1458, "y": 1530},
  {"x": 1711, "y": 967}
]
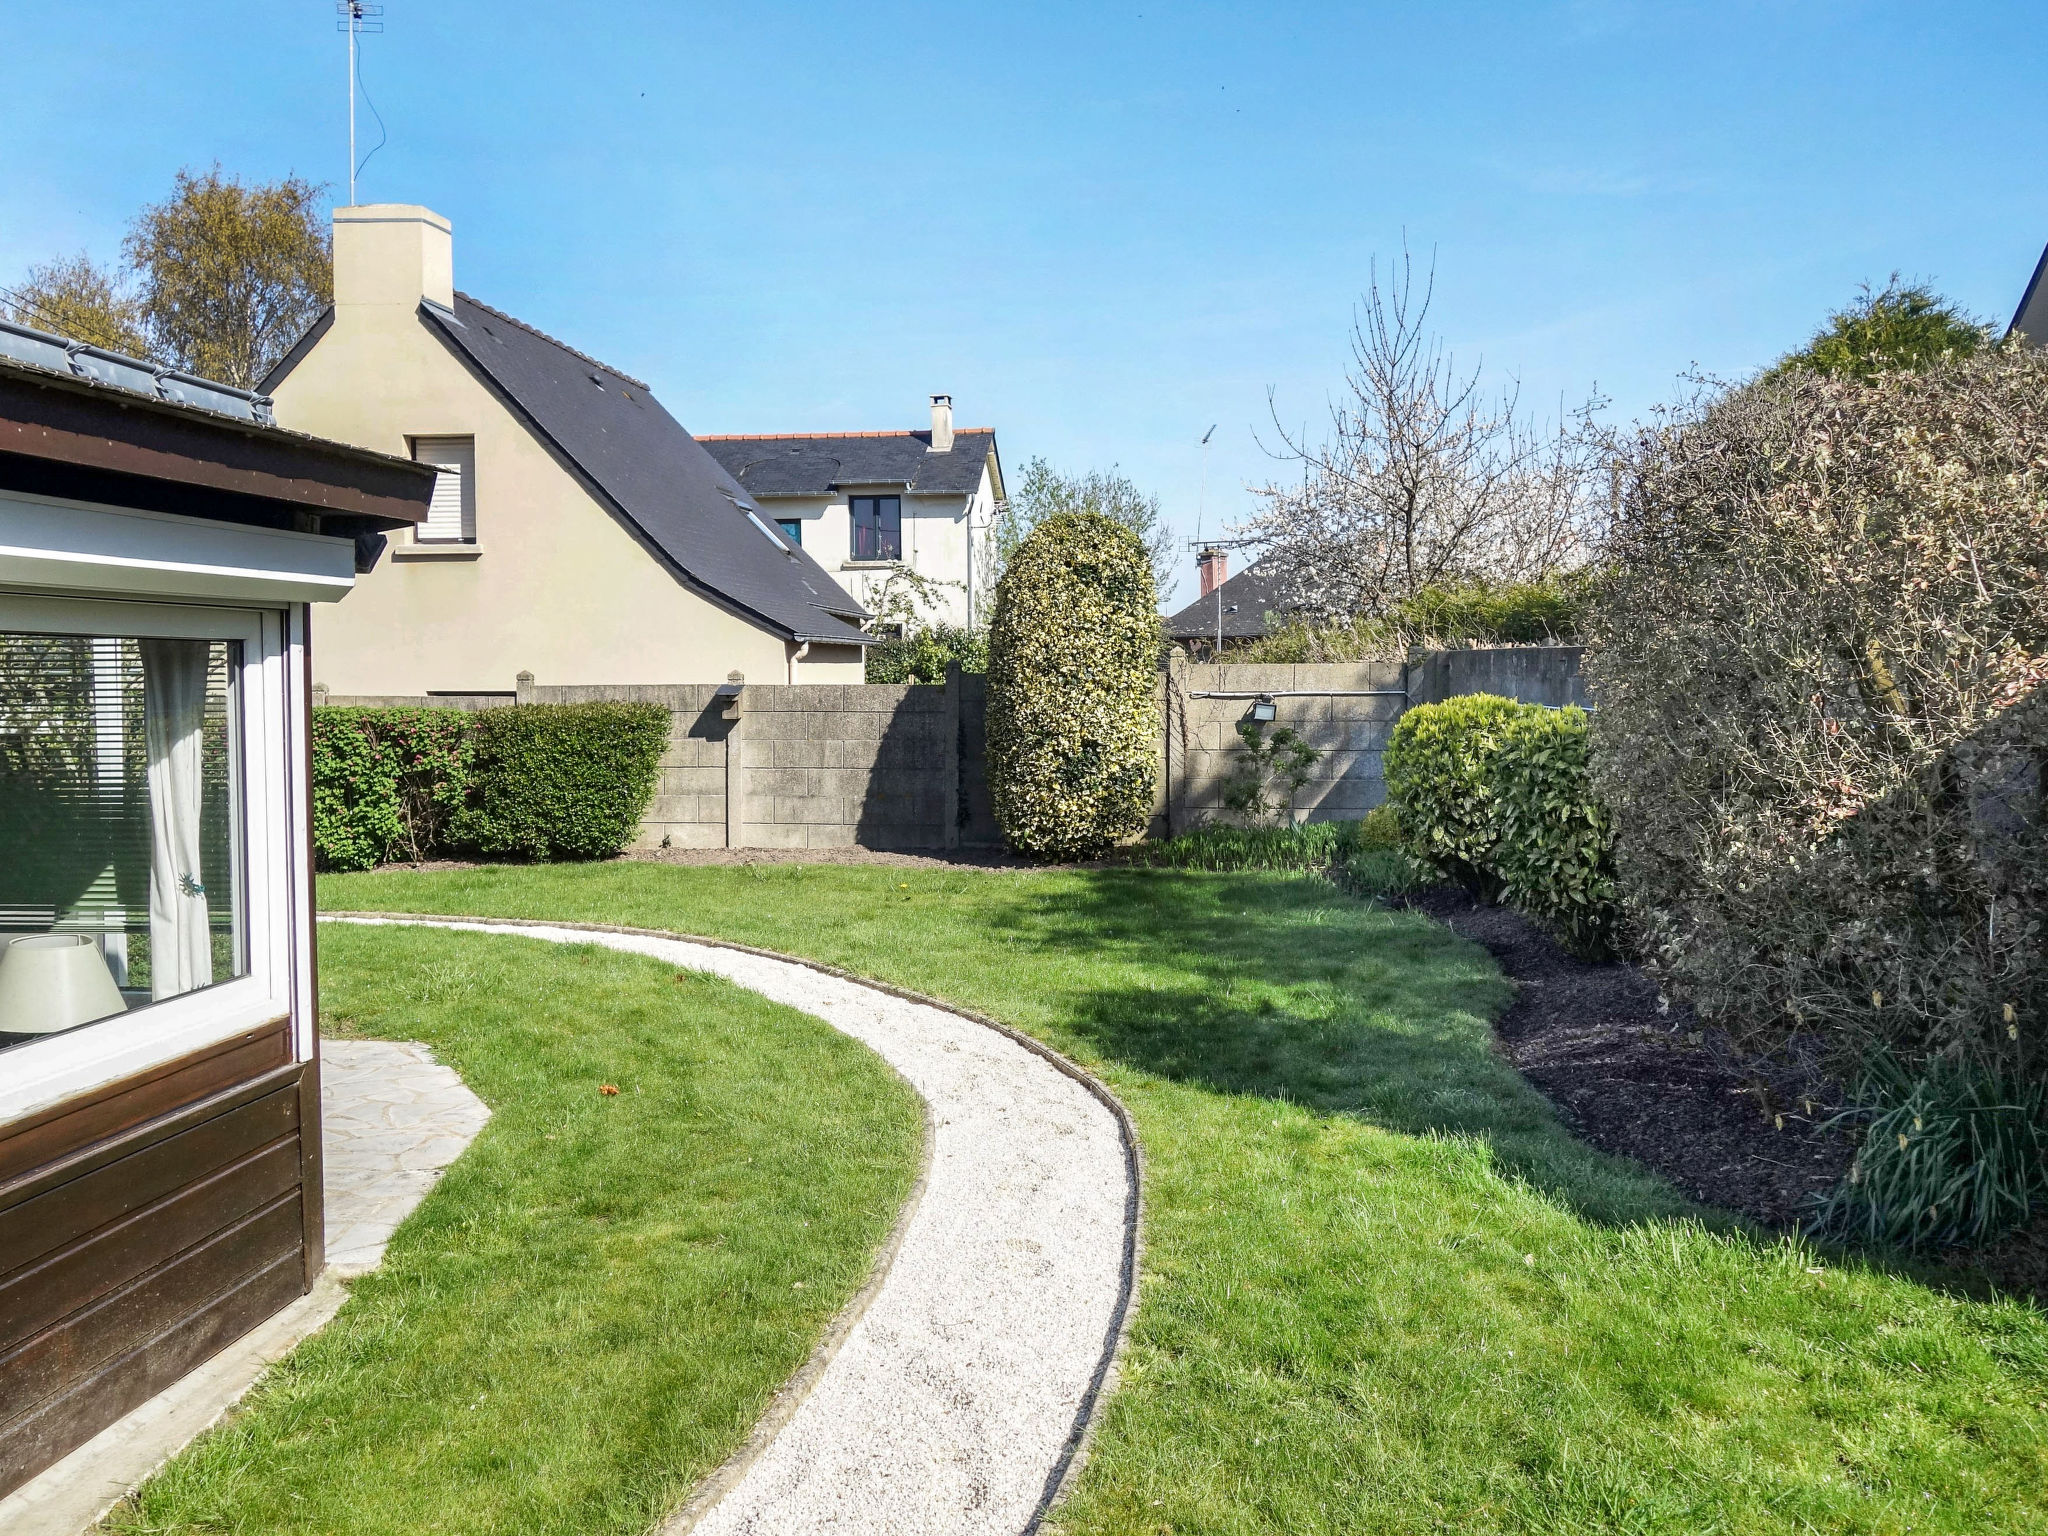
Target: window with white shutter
[{"x": 451, "y": 518}]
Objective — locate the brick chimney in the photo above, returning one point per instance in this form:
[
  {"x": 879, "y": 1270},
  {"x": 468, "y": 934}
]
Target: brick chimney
[
  {"x": 392, "y": 254},
  {"x": 942, "y": 424},
  {"x": 1214, "y": 564}
]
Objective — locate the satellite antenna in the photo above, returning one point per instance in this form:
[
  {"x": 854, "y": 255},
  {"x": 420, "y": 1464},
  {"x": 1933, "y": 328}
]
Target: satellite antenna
[{"x": 357, "y": 17}]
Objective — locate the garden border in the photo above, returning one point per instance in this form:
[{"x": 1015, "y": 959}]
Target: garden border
[{"x": 1080, "y": 1440}]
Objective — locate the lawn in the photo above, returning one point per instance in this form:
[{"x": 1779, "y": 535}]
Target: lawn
[
  {"x": 1384, "y": 1291},
  {"x": 594, "y": 1306}
]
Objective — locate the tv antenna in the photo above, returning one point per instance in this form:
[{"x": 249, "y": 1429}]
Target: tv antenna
[
  {"x": 358, "y": 17},
  {"x": 1202, "y": 503}
]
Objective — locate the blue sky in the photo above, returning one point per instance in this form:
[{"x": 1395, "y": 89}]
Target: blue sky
[{"x": 1101, "y": 227}]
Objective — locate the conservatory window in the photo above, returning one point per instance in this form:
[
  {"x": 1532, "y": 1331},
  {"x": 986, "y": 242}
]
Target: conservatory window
[{"x": 121, "y": 813}]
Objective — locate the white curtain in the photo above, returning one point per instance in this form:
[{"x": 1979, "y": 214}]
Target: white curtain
[{"x": 173, "y": 721}]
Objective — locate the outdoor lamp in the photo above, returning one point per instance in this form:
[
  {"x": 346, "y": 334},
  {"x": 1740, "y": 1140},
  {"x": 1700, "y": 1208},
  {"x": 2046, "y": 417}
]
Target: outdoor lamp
[
  {"x": 1264, "y": 709},
  {"x": 54, "y": 981}
]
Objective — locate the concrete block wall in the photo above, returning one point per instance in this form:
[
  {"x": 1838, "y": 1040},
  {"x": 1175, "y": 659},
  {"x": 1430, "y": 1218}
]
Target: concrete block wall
[
  {"x": 843, "y": 765},
  {"x": 1345, "y": 710}
]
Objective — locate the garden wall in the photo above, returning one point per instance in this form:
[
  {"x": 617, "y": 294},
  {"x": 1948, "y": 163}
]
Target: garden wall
[{"x": 842, "y": 765}]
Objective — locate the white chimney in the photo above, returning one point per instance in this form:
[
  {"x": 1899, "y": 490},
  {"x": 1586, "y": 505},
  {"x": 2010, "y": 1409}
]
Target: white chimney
[
  {"x": 393, "y": 253},
  {"x": 942, "y": 424}
]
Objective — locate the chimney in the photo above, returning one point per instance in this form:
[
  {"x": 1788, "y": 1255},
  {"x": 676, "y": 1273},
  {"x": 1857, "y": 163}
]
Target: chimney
[
  {"x": 392, "y": 254},
  {"x": 1214, "y": 564},
  {"x": 942, "y": 424}
]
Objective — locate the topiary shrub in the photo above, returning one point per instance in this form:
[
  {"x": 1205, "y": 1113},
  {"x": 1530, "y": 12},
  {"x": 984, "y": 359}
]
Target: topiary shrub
[
  {"x": 1553, "y": 840},
  {"x": 1073, "y": 710},
  {"x": 386, "y": 782},
  {"x": 1439, "y": 777},
  {"x": 553, "y": 781},
  {"x": 1818, "y": 649}
]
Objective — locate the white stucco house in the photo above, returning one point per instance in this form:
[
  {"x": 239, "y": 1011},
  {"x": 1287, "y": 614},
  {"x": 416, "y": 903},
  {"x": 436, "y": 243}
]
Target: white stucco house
[{"x": 866, "y": 505}]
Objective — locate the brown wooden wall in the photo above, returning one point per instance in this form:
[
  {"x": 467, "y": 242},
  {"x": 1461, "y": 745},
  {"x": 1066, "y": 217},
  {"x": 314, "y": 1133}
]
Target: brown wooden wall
[{"x": 143, "y": 1229}]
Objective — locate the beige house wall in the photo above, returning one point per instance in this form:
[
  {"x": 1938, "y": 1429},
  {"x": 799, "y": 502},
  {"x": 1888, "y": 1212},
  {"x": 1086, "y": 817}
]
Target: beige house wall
[{"x": 554, "y": 585}]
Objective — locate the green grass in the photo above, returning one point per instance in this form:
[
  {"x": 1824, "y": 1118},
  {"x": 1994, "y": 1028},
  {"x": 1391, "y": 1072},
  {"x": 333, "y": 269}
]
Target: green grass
[
  {"x": 1384, "y": 1291},
  {"x": 594, "y": 1306}
]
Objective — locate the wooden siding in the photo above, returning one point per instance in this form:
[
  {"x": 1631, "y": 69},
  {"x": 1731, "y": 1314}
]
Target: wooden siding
[{"x": 143, "y": 1229}]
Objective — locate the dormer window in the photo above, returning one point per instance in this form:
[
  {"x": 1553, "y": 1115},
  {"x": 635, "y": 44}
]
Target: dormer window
[{"x": 451, "y": 520}]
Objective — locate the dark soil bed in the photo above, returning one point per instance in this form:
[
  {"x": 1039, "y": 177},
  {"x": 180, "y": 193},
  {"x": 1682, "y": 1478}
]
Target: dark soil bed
[
  {"x": 1644, "y": 1079},
  {"x": 1647, "y": 1081}
]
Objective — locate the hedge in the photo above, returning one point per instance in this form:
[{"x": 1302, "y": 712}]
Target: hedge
[
  {"x": 537, "y": 781},
  {"x": 1073, "y": 712},
  {"x": 1499, "y": 795}
]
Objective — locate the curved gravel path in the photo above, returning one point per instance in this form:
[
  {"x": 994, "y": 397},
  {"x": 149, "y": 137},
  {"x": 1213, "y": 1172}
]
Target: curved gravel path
[{"x": 955, "y": 1392}]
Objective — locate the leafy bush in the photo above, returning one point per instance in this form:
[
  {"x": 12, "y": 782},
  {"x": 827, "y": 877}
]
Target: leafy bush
[
  {"x": 385, "y": 783},
  {"x": 1553, "y": 841},
  {"x": 1073, "y": 712},
  {"x": 1818, "y": 649},
  {"x": 924, "y": 656},
  {"x": 1440, "y": 780},
  {"x": 1901, "y": 327},
  {"x": 1951, "y": 1155},
  {"x": 561, "y": 780},
  {"x": 1499, "y": 795}
]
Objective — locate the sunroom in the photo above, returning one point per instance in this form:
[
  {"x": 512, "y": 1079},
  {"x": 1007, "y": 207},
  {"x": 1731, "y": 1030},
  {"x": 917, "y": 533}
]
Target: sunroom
[{"x": 162, "y": 547}]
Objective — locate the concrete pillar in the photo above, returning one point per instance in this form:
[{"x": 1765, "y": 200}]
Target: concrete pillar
[
  {"x": 522, "y": 688},
  {"x": 735, "y": 770},
  {"x": 949, "y": 799}
]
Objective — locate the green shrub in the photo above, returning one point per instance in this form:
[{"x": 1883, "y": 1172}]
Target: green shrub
[
  {"x": 1073, "y": 711},
  {"x": 386, "y": 782},
  {"x": 1553, "y": 841},
  {"x": 1545, "y": 612},
  {"x": 1267, "y": 772},
  {"x": 923, "y": 657},
  {"x": 1952, "y": 1154},
  {"x": 553, "y": 781},
  {"x": 1440, "y": 781}
]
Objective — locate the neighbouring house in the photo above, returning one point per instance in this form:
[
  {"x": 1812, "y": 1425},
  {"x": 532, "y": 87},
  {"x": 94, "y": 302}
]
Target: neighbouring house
[
  {"x": 870, "y": 504},
  {"x": 1232, "y": 610},
  {"x": 578, "y": 533},
  {"x": 162, "y": 544}
]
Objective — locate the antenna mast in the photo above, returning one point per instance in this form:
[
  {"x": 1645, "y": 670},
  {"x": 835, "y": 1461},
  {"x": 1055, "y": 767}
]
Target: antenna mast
[{"x": 357, "y": 17}]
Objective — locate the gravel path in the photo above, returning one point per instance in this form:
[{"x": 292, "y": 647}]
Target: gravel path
[{"x": 956, "y": 1399}]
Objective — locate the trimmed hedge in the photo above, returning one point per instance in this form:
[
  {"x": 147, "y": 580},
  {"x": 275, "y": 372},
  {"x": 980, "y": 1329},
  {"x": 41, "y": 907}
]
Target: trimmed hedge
[
  {"x": 385, "y": 782},
  {"x": 1073, "y": 711},
  {"x": 538, "y": 781},
  {"x": 1499, "y": 795},
  {"x": 555, "y": 781}
]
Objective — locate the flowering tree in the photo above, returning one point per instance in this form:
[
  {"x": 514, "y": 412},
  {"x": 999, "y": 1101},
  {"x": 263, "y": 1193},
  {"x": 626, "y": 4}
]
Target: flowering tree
[{"x": 1426, "y": 477}]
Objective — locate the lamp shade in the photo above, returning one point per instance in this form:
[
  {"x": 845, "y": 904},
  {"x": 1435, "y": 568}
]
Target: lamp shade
[{"x": 53, "y": 981}]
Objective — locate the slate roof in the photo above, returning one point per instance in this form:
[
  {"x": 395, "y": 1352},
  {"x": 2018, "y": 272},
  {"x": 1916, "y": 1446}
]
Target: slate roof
[
  {"x": 1247, "y": 598},
  {"x": 819, "y": 463},
  {"x": 659, "y": 480}
]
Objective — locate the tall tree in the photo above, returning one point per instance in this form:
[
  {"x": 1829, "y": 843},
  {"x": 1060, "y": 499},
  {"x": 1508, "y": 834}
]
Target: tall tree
[
  {"x": 73, "y": 297},
  {"x": 1425, "y": 477},
  {"x": 230, "y": 275},
  {"x": 1900, "y": 327},
  {"x": 1043, "y": 492}
]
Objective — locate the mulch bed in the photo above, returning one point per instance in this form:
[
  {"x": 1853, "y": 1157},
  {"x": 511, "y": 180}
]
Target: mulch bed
[
  {"x": 1644, "y": 1079},
  {"x": 1639, "y": 1077}
]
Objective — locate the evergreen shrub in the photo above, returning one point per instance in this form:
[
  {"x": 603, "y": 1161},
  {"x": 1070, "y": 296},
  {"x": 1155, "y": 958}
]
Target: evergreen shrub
[
  {"x": 553, "y": 781},
  {"x": 1073, "y": 712},
  {"x": 385, "y": 782},
  {"x": 1439, "y": 770}
]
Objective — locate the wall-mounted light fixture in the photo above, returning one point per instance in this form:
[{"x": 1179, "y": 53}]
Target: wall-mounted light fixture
[{"x": 1263, "y": 710}]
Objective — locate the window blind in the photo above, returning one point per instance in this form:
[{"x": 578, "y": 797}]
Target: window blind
[{"x": 451, "y": 516}]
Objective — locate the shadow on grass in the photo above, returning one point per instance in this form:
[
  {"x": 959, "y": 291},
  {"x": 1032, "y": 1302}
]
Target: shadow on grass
[{"x": 1299, "y": 993}]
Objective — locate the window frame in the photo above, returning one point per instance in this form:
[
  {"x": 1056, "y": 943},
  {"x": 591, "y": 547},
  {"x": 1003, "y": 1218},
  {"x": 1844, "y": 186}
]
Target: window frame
[
  {"x": 792, "y": 529},
  {"x": 467, "y": 538},
  {"x": 853, "y": 504},
  {"x": 43, "y": 1072}
]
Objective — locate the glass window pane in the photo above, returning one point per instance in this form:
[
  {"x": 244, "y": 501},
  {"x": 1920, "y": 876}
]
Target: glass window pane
[{"x": 121, "y": 810}]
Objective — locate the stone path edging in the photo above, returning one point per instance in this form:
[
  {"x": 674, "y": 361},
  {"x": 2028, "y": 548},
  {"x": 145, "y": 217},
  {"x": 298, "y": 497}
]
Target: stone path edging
[{"x": 1070, "y": 1456}]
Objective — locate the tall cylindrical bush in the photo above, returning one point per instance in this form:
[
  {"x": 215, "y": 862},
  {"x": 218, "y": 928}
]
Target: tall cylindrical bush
[{"x": 1073, "y": 713}]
